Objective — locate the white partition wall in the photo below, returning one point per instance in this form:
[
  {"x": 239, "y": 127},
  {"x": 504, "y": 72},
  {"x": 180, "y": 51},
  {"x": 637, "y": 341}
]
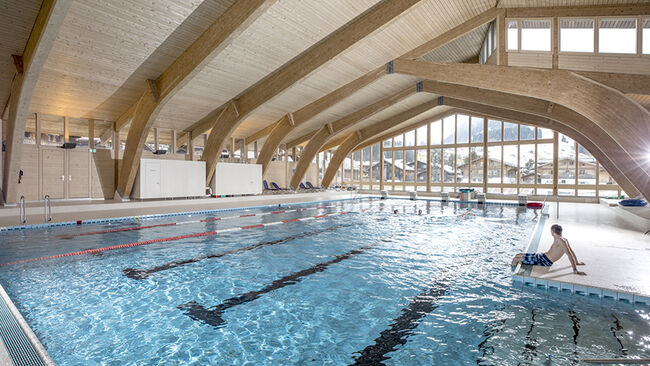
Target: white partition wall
[
  {"x": 159, "y": 178},
  {"x": 230, "y": 179}
]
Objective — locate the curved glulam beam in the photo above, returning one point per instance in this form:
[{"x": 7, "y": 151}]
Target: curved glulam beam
[
  {"x": 158, "y": 92},
  {"x": 354, "y": 139},
  {"x": 317, "y": 141},
  {"x": 575, "y": 134},
  {"x": 28, "y": 66},
  {"x": 627, "y": 122},
  {"x": 299, "y": 68},
  {"x": 548, "y": 110}
]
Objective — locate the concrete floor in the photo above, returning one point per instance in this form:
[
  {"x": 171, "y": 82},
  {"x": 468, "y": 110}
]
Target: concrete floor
[{"x": 611, "y": 242}]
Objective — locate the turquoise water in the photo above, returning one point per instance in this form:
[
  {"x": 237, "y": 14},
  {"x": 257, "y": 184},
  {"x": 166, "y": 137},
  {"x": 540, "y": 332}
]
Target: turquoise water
[{"x": 365, "y": 287}]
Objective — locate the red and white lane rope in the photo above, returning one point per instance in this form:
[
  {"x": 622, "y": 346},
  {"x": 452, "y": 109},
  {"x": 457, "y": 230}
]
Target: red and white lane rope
[
  {"x": 70, "y": 236},
  {"x": 173, "y": 238}
]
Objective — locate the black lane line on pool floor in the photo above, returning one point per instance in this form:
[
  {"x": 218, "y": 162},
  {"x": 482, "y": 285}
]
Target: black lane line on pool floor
[
  {"x": 530, "y": 351},
  {"x": 141, "y": 274},
  {"x": 491, "y": 329},
  {"x": 403, "y": 326},
  {"x": 213, "y": 315},
  {"x": 616, "y": 328},
  {"x": 575, "y": 319}
]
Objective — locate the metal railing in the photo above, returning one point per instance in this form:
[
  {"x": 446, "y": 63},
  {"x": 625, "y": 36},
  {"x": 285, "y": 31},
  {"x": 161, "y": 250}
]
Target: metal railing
[
  {"x": 557, "y": 206},
  {"x": 23, "y": 216},
  {"x": 47, "y": 208}
]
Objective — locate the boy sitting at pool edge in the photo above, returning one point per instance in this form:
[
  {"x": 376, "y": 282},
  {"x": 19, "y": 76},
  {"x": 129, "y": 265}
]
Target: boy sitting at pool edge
[{"x": 559, "y": 248}]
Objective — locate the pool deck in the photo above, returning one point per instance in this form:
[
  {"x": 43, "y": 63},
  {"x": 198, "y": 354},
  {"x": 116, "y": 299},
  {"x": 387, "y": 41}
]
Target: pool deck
[
  {"x": 611, "y": 242},
  {"x": 73, "y": 210}
]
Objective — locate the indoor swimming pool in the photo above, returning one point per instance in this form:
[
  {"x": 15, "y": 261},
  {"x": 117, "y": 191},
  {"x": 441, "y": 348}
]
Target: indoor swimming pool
[{"x": 341, "y": 282}]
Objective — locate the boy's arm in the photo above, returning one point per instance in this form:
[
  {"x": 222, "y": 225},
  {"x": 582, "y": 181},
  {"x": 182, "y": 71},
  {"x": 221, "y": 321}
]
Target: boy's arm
[
  {"x": 572, "y": 259},
  {"x": 575, "y": 259}
]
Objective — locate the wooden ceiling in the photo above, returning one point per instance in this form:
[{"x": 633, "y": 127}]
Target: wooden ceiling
[{"x": 106, "y": 49}]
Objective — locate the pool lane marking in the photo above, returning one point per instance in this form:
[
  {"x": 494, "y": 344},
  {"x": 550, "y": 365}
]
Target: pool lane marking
[
  {"x": 180, "y": 237},
  {"x": 141, "y": 274},
  {"x": 70, "y": 236},
  {"x": 403, "y": 326},
  {"x": 491, "y": 329},
  {"x": 213, "y": 315}
]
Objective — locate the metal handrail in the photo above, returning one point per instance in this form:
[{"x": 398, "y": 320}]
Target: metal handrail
[
  {"x": 23, "y": 216},
  {"x": 557, "y": 207},
  {"x": 47, "y": 207}
]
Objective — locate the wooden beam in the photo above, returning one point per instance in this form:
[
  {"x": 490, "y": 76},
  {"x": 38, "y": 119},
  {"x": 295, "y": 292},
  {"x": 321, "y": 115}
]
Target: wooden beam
[
  {"x": 452, "y": 34},
  {"x": 539, "y": 107},
  {"x": 625, "y": 121},
  {"x": 213, "y": 41},
  {"x": 282, "y": 128},
  {"x": 299, "y": 68},
  {"x": 501, "y": 29},
  {"x": 354, "y": 139},
  {"x": 18, "y": 63},
  {"x": 328, "y": 131},
  {"x": 48, "y": 23},
  {"x": 625, "y": 83},
  {"x": 579, "y": 11},
  {"x": 262, "y": 133},
  {"x": 527, "y": 118},
  {"x": 301, "y": 140}
]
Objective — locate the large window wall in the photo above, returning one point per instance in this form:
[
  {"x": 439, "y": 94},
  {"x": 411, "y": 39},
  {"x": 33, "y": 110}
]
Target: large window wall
[{"x": 489, "y": 155}]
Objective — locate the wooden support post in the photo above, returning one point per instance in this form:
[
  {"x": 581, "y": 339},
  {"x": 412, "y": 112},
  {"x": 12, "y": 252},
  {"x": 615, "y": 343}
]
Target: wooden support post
[
  {"x": 91, "y": 133},
  {"x": 172, "y": 146},
  {"x": 485, "y": 155},
  {"x": 555, "y": 37},
  {"x": 155, "y": 139},
  {"x": 190, "y": 146},
  {"x": 37, "y": 116},
  {"x": 66, "y": 129},
  {"x": 502, "y": 29},
  {"x": 555, "y": 162}
]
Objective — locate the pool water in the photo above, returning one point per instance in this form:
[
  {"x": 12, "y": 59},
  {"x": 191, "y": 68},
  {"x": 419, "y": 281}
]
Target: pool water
[{"x": 366, "y": 287}]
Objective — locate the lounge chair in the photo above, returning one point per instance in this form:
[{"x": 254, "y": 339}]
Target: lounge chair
[
  {"x": 310, "y": 186},
  {"x": 267, "y": 188},
  {"x": 277, "y": 188},
  {"x": 302, "y": 186}
]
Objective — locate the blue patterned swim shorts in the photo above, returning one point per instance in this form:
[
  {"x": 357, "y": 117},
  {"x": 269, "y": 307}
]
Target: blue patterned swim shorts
[{"x": 536, "y": 259}]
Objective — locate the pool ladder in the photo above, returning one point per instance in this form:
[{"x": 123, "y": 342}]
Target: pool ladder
[
  {"x": 47, "y": 208},
  {"x": 23, "y": 216}
]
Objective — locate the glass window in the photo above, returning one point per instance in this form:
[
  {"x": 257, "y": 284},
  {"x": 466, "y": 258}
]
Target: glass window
[
  {"x": 509, "y": 131},
  {"x": 376, "y": 154},
  {"x": 410, "y": 168},
  {"x": 617, "y": 35},
  {"x": 449, "y": 171},
  {"x": 436, "y": 165},
  {"x": 448, "y": 131},
  {"x": 462, "y": 129},
  {"x": 645, "y": 36},
  {"x": 164, "y": 140},
  {"x": 398, "y": 141},
  {"x": 587, "y": 167},
  {"x": 494, "y": 130},
  {"x": 356, "y": 161},
  {"x": 603, "y": 177},
  {"x": 566, "y": 160},
  {"x": 388, "y": 143},
  {"x": 30, "y": 130},
  {"x": 365, "y": 167},
  {"x": 513, "y": 36},
  {"x": 388, "y": 166},
  {"x": 462, "y": 165},
  {"x": 494, "y": 164},
  {"x": 477, "y": 129},
  {"x": 476, "y": 165},
  {"x": 526, "y": 132},
  {"x": 422, "y": 136},
  {"x": 544, "y": 163},
  {"x": 103, "y": 129},
  {"x": 150, "y": 142},
  {"x": 536, "y": 35},
  {"x": 577, "y": 35},
  {"x": 510, "y": 164},
  {"x": 347, "y": 169},
  {"x": 421, "y": 162},
  {"x": 494, "y": 35},
  {"x": 544, "y": 133},
  {"x": 398, "y": 166},
  {"x": 78, "y": 130},
  {"x": 436, "y": 133},
  {"x": 527, "y": 164},
  {"x": 409, "y": 138}
]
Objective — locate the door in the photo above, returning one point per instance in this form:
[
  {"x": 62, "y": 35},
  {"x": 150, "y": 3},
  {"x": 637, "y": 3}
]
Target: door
[
  {"x": 78, "y": 174},
  {"x": 53, "y": 176},
  {"x": 152, "y": 186}
]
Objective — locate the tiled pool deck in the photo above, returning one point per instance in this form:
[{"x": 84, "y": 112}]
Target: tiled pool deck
[{"x": 611, "y": 242}]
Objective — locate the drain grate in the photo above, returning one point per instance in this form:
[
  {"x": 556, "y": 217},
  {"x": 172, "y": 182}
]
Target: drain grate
[{"x": 18, "y": 346}]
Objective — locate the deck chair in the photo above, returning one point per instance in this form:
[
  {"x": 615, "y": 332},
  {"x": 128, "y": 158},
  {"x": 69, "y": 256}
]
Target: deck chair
[
  {"x": 276, "y": 188},
  {"x": 267, "y": 188},
  {"x": 310, "y": 186},
  {"x": 302, "y": 186}
]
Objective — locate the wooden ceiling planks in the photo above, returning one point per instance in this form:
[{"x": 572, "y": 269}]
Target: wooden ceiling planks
[
  {"x": 549, "y": 3},
  {"x": 461, "y": 49},
  {"x": 106, "y": 49},
  {"x": 17, "y": 18}
]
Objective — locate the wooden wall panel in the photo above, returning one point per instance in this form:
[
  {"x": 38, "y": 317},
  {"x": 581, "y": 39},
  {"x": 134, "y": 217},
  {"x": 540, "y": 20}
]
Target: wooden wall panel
[
  {"x": 53, "y": 172},
  {"x": 525, "y": 59},
  {"x": 606, "y": 63},
  {"x": 78, "y": 174},
  {"x": 102, "y": 170},
  {"x": 29, "y": 184}
]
